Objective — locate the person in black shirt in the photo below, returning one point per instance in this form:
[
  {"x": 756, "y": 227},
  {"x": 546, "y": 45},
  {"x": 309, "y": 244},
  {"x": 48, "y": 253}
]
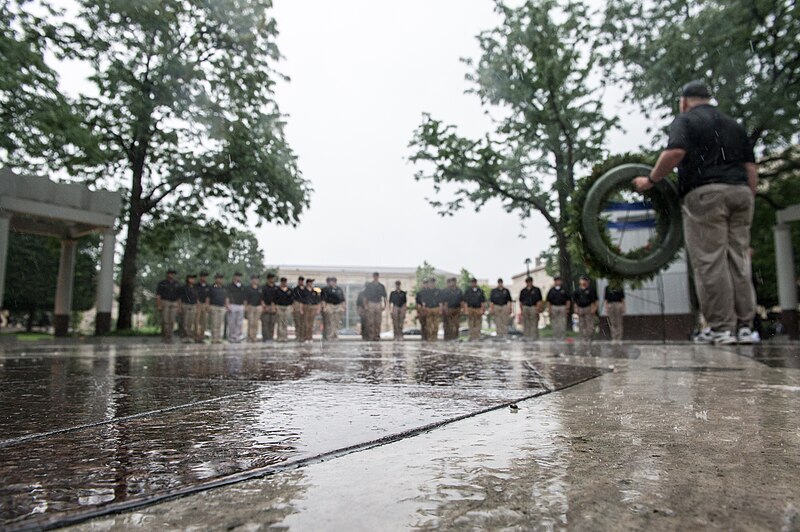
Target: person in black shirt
[
  {"x": 500, "y": 308},
  {"x": 268, "y": 309},
  {"x": 452, "y": 298},
  {"x": 284, "y": 299},
  {"x": 429, "y": 309},
  {"x": 299, "y": 295},
  {"x": 558, "y": 307},
  {"x": 717, "y": 178},
  {"x": 361, "y": 308},
  {"x": 253, "y": 304},
  {"x": 530, "y": 298},
  {"x": 167, "y": 295},
  {"x": 218, "y": 307},
  {"x": 333, "y": 302},
  {"x": 399, "y": 303},
  {"x": 235, "y": 304},
  {"x": 375, "y": 294},
  {"x": 311, "y": 307},
  {"x": 188, "y": 309},
  {"x": 474, "y": 308},
  {"x": 202, "y": 288},
  {"x": 585, "y": 299},
  {"x": 614, "y": 301}
]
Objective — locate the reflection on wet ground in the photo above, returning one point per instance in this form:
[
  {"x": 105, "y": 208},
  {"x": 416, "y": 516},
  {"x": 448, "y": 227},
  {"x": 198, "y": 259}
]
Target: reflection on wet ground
[
  {"x": 641, "y": 448},
  {"x": 95, "y": 428}
]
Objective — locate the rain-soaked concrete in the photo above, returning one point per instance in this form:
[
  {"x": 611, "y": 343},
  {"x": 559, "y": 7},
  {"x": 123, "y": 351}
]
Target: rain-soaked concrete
[{"x": 391, "y": 436}]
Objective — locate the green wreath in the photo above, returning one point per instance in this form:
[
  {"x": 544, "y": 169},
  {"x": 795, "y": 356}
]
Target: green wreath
[{"x": 589, "y": 236}]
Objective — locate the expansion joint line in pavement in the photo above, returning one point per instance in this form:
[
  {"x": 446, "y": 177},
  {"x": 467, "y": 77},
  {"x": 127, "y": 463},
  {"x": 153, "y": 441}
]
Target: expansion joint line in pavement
[{"x": 262, "y": 472}]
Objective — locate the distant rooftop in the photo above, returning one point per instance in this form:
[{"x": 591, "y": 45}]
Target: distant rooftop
[{"x": 368, "y": 270}]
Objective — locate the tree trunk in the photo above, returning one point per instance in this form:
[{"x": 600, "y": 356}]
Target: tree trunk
[
  {"x": 29, "y": 322},
  {"x": 565, "y": 265},
  {"x": 127, "y": 282}
]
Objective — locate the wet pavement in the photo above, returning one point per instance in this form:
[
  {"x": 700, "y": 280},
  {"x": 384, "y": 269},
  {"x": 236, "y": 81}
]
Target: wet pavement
[{"x": 393, "y": 436}]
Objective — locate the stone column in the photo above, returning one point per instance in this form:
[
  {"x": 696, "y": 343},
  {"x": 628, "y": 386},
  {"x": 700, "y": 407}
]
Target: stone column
[
  {"x": 5, "y": 222},
  {"x": 105, "y": 283},
  {"x": 787, "y": 288},
  {"x": 66, "y": 272}
]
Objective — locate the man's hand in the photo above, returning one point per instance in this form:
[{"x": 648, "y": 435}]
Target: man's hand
[{"x": 642, "y": 183}]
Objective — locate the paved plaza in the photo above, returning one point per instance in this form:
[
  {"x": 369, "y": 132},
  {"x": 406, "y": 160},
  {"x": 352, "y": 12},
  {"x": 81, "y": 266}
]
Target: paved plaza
[{"x": 391, "y": 436}]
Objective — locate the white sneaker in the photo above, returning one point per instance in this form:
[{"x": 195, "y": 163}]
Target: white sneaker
[
  {"x": 745, "y": 335},
  {"x": 723, "y": 338},
  {"x": 704, "y": 337}
]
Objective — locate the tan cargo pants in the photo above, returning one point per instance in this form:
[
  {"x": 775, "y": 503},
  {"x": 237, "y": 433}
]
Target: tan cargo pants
[
  {"x": 558, "y": 316},
  {"x": 268, "y": 319},
  {"x": 615, "y": 311},
  {"x": 585, "y": 321},
  {"x": 331, "y": 321},
  {"x": 374, "y": 320},
  {"x": 202, "y": 322},
  {"x": 452, "y": 319},
  {"x": 474, "y": 321},
  {"x": 716, "y": 226},
  {"x": 168, "y": 311},
  {"x": 189, "y": 322},
  {"x": 309, "y": 315},
  {"x": 217, "y": 321},
  {"x": 282, "y": 316},
  {"x": 398, "y": 321},
  {"x": 433, "y": 317},
  {"x": 530, "y": 322},
  {"x": 422, "y": 316},
  {"x": 501, "y": 319},
  {"x": 253, "y": 316},
  {"x": 299, "y": 323}
]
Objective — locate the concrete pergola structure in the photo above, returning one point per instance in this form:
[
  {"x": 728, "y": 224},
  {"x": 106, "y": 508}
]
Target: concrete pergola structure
[
  {"x": 784, "y": 263},
  {"x": 68, "y": 211}
]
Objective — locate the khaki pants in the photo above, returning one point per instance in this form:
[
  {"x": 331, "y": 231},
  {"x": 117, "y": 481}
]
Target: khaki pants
[
  {"x": 501, "y": 318},
  {"x": 398, "y": 321},
  {"x": 168, "y": 311},
  {"x": 299, "y": 324},
  {"x": 282, "y": 315},
  {"x": 422, "y": 316},
  {"x": 253, "y": 314},
  {"x": 217, "y": 321},
  {"x": 530, "y": 322},
  {"x": 558, "y": 316},
  {"x": 362, "y": 314},
  {"x": 615, "y": 310},
  {"x": 268, "y": 319},
  {"x": 374, "y": 320},
  {"x": 585, "y": 321},
  {"x": 452, "y": 319},
  {"x": 433, "y": 317},
  {"x": 309, "y": 315},
  {"x": 331, "y": 321},
  {"x": 201, "y": 318},
  {"x": 474, "y": 319},
  {"x": 189, "y": 322},
  {"x": 235, "y": 323},
  {"x": 716, "y": 226}
]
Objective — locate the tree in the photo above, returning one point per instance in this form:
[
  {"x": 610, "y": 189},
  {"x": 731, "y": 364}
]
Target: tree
[
  {"x": 184, "y": 115},
  {"x": 746, "y": 50},
  {"x": 427, "y": 271},
  {"x": 534, "y": 69},
  {"x": 190, "y": 246},
  {"x": 32, "y": 274},
  {"x": 36, "y": 120}
]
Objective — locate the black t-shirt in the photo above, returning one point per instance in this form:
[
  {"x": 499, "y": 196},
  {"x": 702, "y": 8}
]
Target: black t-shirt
[
  {"x": 202, "y": 292},
  {"x": 313, "y": 296},
  {"x": 188, "y": 294},
  {"x": 583, "y": 297},
  {"x": 717, "y": 148},
  {"x": 429, "y": 297},
  {"x": 252, "y": 295},
  {"x": 268, "y": 293},
  {"x": 168, "y": 290},
  {"x": 283, "y": 298},
  {"x": 217, "y": 295},
  {"x": 375, "y": 292},
  {"x": 361, "y": 299},
  {"x": 332, "y": 295},
  {"x": 558, "y": 296},
  {"x": 452, "y": 297},
  {"x": 614, "y": 295},
  {"x": 398, "y": 298},
  {"x": 299, "y": 294},
  {"x": 530, "y": 298},
  {"x": 236, "y": 294},
  {"x": 474, "y": 297},
  {"x": 500, "y": 296}
]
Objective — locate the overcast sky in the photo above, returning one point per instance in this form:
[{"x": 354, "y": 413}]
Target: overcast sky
[{"x": 362, "y": 73}]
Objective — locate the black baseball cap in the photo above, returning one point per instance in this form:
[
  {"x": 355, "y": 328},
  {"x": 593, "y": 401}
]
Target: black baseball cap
[
  {"x": 255, "y": 276},
  {"x": 191, "y": 276},
  {"x": 473, "y": 280},
  {"x": 397, "y": 283},
  {"x": 695, "y": 89},
  {"x": 204, "y": 274},
  {"x": 585, "y": 277},
  {"x": 171, "y": 270},
  {"x": 270, "y": 276},
  {"x": 500, "y": 280},
  {"x": 219, "y": 276},
  {"x": 283, "y": 279},
  {"x": 529, "y": 279},
  {"x": 557, "y": 278},
  {"x": 237, "y": 274}
]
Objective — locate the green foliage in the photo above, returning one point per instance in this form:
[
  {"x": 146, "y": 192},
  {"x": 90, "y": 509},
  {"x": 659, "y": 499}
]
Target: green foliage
[
  {"x": 533, "y": 70},
  {"x": 32, "y": 270},
  {"x": 426, "y": 271},
  {"x": 747, "y": 50}
]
